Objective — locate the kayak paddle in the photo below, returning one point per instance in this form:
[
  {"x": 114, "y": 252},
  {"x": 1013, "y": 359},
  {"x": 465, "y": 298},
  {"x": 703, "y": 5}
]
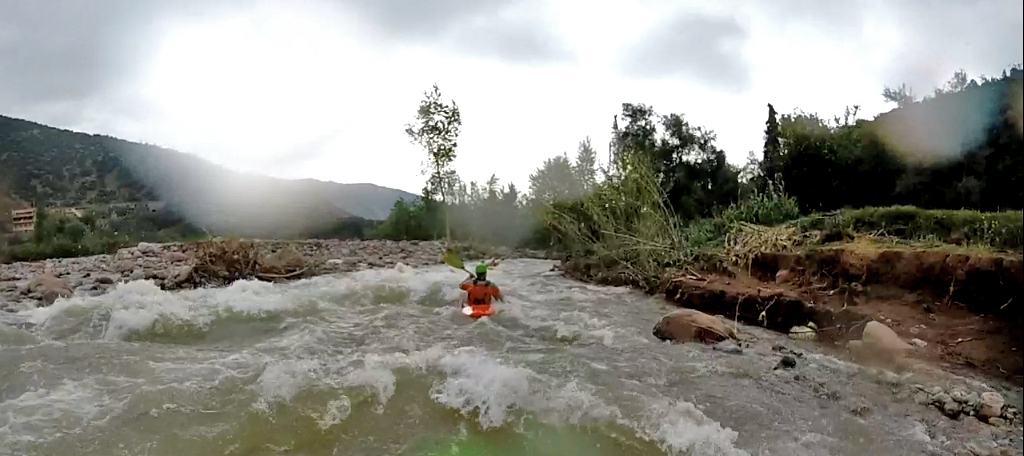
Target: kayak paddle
[{"x": 453, "y": 259}]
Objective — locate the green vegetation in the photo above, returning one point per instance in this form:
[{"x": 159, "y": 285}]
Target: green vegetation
[
  {"x": 924, "y": 171},
  {"x": 999, "y": 230}
]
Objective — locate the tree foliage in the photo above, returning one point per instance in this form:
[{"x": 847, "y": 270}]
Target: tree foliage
[
  {"x": 436, "y": 130},
  {"x": 666, "y": 192}
]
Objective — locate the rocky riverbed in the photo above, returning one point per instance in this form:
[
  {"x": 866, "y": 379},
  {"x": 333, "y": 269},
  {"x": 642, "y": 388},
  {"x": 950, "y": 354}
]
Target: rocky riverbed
[{"x": 26, "y": 285}]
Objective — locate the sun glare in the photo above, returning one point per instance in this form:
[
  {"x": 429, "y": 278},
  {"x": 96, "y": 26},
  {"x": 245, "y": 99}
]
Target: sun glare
[{"x": 265, "y": 75}]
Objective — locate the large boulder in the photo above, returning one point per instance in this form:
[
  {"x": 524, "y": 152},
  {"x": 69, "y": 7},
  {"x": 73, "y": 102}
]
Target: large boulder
[
  {"x": 686, "y": 325},
  {"x": 880, "y": 344},
  {"x": 878, "y": 336},
  {"x": 50, "y": 287},
  {"x": 991, "y": 406},
  {"x": 283, "y": 261},
  {"x": 147, "y": 248}
]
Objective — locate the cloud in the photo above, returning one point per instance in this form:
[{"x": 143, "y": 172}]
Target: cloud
[
  {"x": 707, "y": 49},
  {"x": 510, "y": 30},
  {"x": 941, "y": 36},
  {"x": 62, "y": 56},
  {"x": 932, "y": 39},
  {"x": 846, "y": 17}
]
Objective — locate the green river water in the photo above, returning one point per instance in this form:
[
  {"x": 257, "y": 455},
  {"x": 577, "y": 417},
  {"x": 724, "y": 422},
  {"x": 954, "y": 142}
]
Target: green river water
[{"x": 380, "y": 363}]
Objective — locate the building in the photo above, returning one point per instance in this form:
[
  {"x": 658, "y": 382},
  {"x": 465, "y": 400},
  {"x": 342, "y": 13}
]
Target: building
[
  {"x": 23, "y": 220},
  {"x": 76, "y": 212},
  {"x": 139, "y": 206}
]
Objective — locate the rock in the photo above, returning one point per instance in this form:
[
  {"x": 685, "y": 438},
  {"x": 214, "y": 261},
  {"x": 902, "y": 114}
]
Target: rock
[
  {"x": 803, "y": 332},
  {"x": 951, "y": 408},
  {"x": 958, "y": 395},
  {"x": 972, "y": 400},
  {"x": 147, "y": 248},
  {"x": 919, "y": 343},
  {"x": 977, "y": 427},
  {"x": 176, "y": 257},
  {"x": 921, "y": 398},
  {"x": 785, "y": 275},
  {"x": 883, "y": 340},
  {"x": 991, "y": 406},
  {"x": 997, "y": 422},
  {"x": 50, "y": 288},
  {"x": 685, "y": 325},
  {"x": 104, "y": 280},
  {"x": 283, "y": 261},
  {"x": 787, "y": 362},
  {"x": 137, "y": 275},
  {"x": 125, "y": 266},
  {"x": 179, "y": 276},
  {"x": 940, "y": 399}
]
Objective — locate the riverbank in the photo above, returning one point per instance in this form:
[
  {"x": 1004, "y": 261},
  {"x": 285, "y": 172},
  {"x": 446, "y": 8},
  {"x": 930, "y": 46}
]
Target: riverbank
[
  {"x": 177, "y": 266},
  {"x": 957, "y": 308}
]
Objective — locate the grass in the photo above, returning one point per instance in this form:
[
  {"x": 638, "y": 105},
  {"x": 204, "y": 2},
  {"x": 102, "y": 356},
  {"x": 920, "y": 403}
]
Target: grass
[{"x": 915, "y": 227}]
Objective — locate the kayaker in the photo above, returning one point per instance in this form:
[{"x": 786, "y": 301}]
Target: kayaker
[{"x": 480, "y": 291}]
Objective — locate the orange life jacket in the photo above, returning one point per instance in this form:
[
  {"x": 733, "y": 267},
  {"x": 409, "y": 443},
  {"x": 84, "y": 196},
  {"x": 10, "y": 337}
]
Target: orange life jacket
[{"x": 480, "y": 293}]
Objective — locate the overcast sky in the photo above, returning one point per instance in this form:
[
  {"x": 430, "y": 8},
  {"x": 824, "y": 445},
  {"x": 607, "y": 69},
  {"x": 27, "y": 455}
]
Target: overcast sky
[{"x": 322, "y": 88}]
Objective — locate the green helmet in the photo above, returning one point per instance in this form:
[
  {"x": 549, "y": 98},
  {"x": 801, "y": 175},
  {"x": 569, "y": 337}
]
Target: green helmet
[{"x": 481, "y": 269}]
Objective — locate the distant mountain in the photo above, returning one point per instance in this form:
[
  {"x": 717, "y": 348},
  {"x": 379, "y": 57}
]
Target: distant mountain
[{"x": 64, "y": 168}]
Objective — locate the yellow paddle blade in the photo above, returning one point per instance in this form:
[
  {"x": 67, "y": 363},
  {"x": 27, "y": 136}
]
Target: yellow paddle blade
[{"x": 453, "y": 259}]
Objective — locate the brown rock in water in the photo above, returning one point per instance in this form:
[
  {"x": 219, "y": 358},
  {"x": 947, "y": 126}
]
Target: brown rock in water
[
  {"x": 880, "y": 344},
  {"x": 877, "y": 336},
  {"x": 50, "y": 287},
  {"x": 686, "y": 325}
]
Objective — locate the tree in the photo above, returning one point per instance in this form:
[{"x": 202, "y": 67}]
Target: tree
[
  {"x": 556, "y": 180},
  {"x": 75, "y": 231},
  {"x": 903, "y": 96},
  {"x": 958, "y": 82},
  {"x": 41, "y": 231},
  {"x": 436, "y": 130},
  {"x": 585, "y": 167},
  {"x": 772, "y": 152}
]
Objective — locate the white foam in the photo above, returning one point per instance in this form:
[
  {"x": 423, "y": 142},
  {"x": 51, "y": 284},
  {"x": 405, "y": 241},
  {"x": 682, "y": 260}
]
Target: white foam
[
  {"x": 336, "y": 412},
  {"x": 477, "y": 383},
  {"x": 282, "y": 381},
  {"x": 681, "y": 429},
  {"x": 68, "y": 407},
  {"x": 380, "y": 380}
]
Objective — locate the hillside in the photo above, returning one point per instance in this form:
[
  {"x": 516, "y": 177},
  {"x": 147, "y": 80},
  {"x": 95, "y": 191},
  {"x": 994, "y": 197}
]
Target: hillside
[{"x": 65, "y": 168}]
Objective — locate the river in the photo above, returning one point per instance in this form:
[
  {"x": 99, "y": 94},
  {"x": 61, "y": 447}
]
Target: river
[{"x": 380, "y": 362}]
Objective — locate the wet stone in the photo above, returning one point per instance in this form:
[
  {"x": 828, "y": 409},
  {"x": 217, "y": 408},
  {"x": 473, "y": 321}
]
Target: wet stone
[{"x": 787, "y": 362}]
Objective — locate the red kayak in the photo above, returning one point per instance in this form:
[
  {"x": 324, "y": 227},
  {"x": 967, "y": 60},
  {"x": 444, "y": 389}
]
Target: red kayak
[{"x": 479, "y": 311}]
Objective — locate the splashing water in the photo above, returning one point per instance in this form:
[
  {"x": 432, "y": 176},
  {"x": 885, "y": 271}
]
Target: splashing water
[{"x": 382, "y": 363}]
